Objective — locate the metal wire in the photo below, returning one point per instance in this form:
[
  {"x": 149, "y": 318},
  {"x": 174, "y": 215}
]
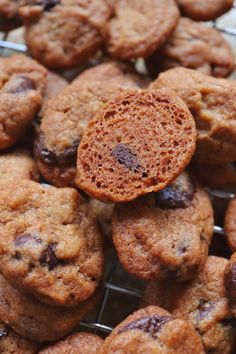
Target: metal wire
[{"x": 96, "y": 324}]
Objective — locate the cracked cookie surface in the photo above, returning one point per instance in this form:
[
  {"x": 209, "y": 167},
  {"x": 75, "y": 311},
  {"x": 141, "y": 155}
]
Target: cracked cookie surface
[
  {"x": 153, "y": 330},
  {"x": 165, "y": 234},
  {"x": 22, "y": 82},
  {"x": 212, "y": 103},
  {"x": 53, "y": 247}
]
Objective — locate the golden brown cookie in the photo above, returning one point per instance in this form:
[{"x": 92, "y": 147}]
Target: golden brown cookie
[
  {"x": 230, "y": 283},
  {"x": 9, "y": 17},
  {"x": 50, "y": 246},
  {"x": 137, "y": 143},
  {"x": 22, "y": 82},
  {"x": 62, "y": 34},
  {"x": 202, "y": 301},
  {"x": 153, "y": 330},
  {"x": 34, "y": 320},
  {"x": 78, "y": 343},
  {"x": 194, "y": 46},
  {"x": 165, "y": 234},
  {"x": 201, "y": 10},
  {"x": 17, "y": 165},
  {"x": 212, "y": 103},
  {"x": 138, "y": 28},
  {"x": 67, "y": 115},
  {"x": 230, "y": 224},
  {"x": 103, "y": 213},
  {"x": 12, "y": 343}
]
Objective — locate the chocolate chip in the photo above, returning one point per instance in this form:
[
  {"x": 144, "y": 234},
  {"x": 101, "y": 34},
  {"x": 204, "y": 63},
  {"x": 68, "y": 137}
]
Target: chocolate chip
[
  {"x": 179, "y": 195},
  {"x": 65, "y": 158},
  {"x": 125, "y": 156},
  {"x": 230, "y": 284},
  {"x": 24, "y": 239},
  {"x": 19, "y": 84},
  {"x": 229, "y": 322},
  {"x": 151, "y": 325},
  {"x": 48, "y": 258},
  {"x": 204, "y": 308},
  {"x": 47, "y": 4},
  {"x": 3, "y": 333}
]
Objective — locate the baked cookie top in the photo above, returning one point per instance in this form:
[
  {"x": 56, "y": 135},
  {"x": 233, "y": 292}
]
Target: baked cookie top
[
  {"x": 212, "y": 103},
  {"x": 230, "y": 283},
  {"x": 138, "y": 28},
  {"x": 194, "y": 46},
  {"x": 78, "y": 343},
  {"x": 137, "y": 143},
  {"x": 230, "y": 224},
  {"x": 153, "y": 330},
  {"x": 53, "y": 248},
  {"x": 201, "y": 10}
]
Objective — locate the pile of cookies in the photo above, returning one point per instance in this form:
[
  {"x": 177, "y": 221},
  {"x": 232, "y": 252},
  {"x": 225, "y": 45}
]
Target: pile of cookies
[{"x": 116, "y": 157}]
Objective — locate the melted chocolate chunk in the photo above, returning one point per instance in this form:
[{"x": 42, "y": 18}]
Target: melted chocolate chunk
[
  {"x": 3, "y": 333},
  {"x": 47, "y": 4},
  {"x": 24, "y": 239},
  {"x": 19, "y": 84},
  {"x": 204, "y": 308},
  {"x": 125, "y": 156},
  {"x": 151, "y": 325},
  {"x": 48, "y": 257},
  {"x": 179, "y": 195},
  {"x": 230, "y": 284},
  {"x": 66, "y": 158}
]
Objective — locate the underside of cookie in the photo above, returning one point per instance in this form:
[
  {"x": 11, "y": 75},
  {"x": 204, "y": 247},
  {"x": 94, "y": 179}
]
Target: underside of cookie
[{"x": 137, "y": 143}]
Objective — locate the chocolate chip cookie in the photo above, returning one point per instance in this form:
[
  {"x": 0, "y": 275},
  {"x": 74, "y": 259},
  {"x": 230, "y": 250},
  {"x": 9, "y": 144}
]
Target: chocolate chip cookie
[
  {"x": 67, "y": 116},
  {"x": 62, "y": 34},
  {"x": 138, "y": 28},
  {"x": 153, "y": 330},
  {"x": 103, "y": 213},
  {"x": 212, "y": 103},
  {"x": 9, "y": 17},
  {"x": 165, "y": 234},
  {"x": 78, "y": 343},
  {"x": 201, "y": 10},
  {"x": 12, "y": 343},
  {"x": 230, "y": 283},
  {"x": 194, "y": 46},
  {"x": 202, "y": 301},
  {"x": 22, "y": 82},
  {"x": 49, "y": 244},
  {"x": 136, "y": 144},
  {"x": 37, "y": 321},
  {"x": 216, "y": 177},
  {"x": 17, "y": 165},
  {"x": 230, "y": 224}
]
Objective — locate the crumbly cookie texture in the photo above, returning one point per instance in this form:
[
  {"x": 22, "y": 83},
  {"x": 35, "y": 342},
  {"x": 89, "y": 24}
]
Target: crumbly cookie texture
[
  {"x": 37, "y": 321},
  {"x": 17, "y": 165},
  {"x": 125, "y": 152},
  {"x": 62, "y": 34},
  {"x": 165, "y": 235},
  {"x": 66, "y": 117},
  {"x": 78, "y": 343},
  {"x": 153, "y": 330},
  {"x": 230, "y": 224},
  {"x": 9, "y": 17},
  {"x": 22, "y": 82},
  {"x": 212, "y": 103},
  {"x": 12, "y": 343},
  {"x": 216, "y": 177},
  {"x": 194, "y": 46},
  {"x": 49, "y": 244},
  {"x": 201, "y": 10},
  {"x": 230, "y": 283},
  {"x": 138, "y": 28},
  {"x": 202, "y": 301}
]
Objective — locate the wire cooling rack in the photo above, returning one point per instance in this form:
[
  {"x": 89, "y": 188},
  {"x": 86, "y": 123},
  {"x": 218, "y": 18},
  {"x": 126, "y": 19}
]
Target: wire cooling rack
[{"x": 121, "y": 292}]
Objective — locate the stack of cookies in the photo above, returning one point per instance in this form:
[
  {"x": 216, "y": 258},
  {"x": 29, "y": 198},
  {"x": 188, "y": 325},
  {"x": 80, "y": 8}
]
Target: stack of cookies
[{"x": 116, "y": 154}]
